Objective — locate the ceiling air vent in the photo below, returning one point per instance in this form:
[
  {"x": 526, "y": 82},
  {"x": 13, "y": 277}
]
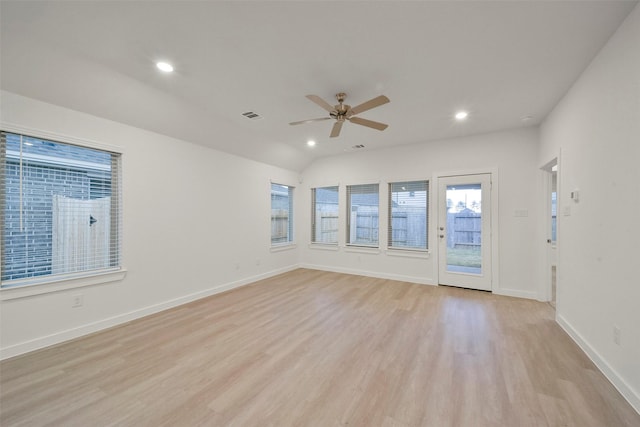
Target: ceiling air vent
[
  {"x": 356, "y": 147},
  {"x": 252, "y": 115}
]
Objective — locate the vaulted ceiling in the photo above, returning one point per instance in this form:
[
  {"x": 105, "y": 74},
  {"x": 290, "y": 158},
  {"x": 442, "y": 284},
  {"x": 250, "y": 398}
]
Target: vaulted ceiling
[{"x": 502, "y": 61}]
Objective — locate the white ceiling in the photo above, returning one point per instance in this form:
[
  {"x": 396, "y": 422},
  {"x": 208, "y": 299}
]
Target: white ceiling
[{"x": 500, "y": 60}]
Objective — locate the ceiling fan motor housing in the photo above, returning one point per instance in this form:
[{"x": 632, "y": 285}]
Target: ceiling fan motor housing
[
  {"x": 341, "y": 109},
  {"x": 343, "y": 112}
]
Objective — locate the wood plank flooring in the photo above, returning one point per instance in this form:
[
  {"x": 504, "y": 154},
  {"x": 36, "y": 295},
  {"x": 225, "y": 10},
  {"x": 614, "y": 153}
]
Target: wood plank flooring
[{"x": 312, "y": 348}]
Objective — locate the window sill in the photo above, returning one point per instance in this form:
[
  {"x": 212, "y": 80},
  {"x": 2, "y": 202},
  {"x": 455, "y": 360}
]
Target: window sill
[
  {"x": 362, "y": 249},
  {"x": 324, "y": 246},
  {"x": 283, "y": 247},
  {"x": 408, "y": 253},
  {"x": 61, "y": 284}
]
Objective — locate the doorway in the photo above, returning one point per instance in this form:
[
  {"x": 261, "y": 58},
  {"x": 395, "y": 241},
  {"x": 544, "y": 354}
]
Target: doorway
[
  {"x": 551, "y": 214},
  {"x": 464, "y": 231}
]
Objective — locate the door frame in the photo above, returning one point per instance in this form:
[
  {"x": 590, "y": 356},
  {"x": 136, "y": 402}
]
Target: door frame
[
  {"x": 545, "y": 291},
  {"x": 495, "y": 220}
]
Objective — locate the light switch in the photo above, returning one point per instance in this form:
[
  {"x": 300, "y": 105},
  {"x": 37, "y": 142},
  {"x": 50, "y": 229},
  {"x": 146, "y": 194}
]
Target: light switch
[{"x": 575, "y": 195}]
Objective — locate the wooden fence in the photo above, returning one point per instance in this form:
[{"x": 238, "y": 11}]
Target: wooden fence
[
  {"x": 326, "y": 227},
  {"x": 464, "y": 229},
  {"x": 279, "y": 225}
]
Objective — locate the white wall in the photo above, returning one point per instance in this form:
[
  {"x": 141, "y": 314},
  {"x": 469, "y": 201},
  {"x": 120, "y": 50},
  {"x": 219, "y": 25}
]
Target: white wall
[
  {"x": 596, "y": 128},
  {"x": 196, "y": 221},
  {"x": 513, "y": 154}
]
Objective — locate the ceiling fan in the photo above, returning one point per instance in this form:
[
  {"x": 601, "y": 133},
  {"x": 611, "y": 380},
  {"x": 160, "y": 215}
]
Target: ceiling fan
[{"x": 342, "y": 112}]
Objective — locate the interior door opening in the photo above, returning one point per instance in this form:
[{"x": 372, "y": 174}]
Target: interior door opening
[{"x": 551, "y": 209}]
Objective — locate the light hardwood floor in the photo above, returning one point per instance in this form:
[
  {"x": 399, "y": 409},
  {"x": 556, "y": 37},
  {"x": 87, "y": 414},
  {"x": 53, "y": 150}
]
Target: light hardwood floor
[{"x": 311, "y": 348}]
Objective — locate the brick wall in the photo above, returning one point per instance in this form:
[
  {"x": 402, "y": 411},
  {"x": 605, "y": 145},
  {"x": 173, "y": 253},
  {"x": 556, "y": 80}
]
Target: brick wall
[{"x": 27, "y": 252}]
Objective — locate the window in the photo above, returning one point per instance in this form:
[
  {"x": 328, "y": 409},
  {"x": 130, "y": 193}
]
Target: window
[
  {"x": 408, "y": 215},
  {"x": 324, "y": 215},
  {"x": 362, "y": 215},
  {"x": 60, "y": 210},
  {"x": 281, "y": 214}
]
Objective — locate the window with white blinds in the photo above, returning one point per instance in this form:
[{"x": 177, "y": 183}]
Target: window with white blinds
[
  {"x": 281, "y": 214},
  {"x": 362, "y": 215},
  {"x": 60, "y": 210},
  {"x": 324, "y": 215},
  {"x": 408, "y": 215}
]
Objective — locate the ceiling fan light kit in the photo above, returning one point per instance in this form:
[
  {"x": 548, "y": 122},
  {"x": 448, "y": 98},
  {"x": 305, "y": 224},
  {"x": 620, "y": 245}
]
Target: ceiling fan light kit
[{"x": 341, "y": 112}]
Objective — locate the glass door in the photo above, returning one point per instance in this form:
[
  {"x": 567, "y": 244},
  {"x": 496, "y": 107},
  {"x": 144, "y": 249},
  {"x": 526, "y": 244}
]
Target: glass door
[{"x": 464, "y": 231}]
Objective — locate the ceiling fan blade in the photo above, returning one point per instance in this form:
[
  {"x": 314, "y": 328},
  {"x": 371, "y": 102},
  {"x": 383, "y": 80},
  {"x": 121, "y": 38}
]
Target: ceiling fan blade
[
  {"x": 368, "y": 123},
  {"x": 336, "y": 129},
  {"x": 321, "y": 102},
  {"x": 372, "y": 103},
  {"x": 310, "y": 121}
]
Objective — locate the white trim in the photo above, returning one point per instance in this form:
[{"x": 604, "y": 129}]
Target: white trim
[
  {"x": 517, "y": 293},
  {"x": 324, "y": 186},
  {"x": 57, "y": 137},
  {"x": 69, "y": 334},
  {"x": 495, "y": 231},
  {"x": 408, "y": 253},
  {"x": 545, "y": 285},
  {"x": 362, "y": 249},
  {"x": 481, "y": 171},
  {"x": 283, "y": 247},
  {"x": 632, "y": 396},
  {"x": 49, "y": 284},
  {"x": 398, "y": 180},
  {"x": 324, "y": 246},
  {"x": 495, "y": 222},
  {"x": 374, "y": 274}
]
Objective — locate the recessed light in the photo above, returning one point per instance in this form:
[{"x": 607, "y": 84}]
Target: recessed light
[
  {"x": 462, "y": 115},
  {"x": 311, "y": 143},
  {"x": 164, "y": 66}
]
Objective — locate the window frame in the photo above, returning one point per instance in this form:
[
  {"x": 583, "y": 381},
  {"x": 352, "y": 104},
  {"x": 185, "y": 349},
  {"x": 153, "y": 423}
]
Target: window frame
[
  {"x": 55, "y": 283},
  {"x": 314, "y": 203},
  {"x": 407, "y": 249},
  {"x": 290, "y": 242},
  {"x": 349, "y": 193}
]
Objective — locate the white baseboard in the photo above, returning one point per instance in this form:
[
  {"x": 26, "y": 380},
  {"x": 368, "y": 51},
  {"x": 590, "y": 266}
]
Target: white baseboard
[
  {"x": 69, "y": 334},
  {"x": 377, "y": 275},
  {"x": 631, "y": 395},
  {"x": 516, "y": 293}
]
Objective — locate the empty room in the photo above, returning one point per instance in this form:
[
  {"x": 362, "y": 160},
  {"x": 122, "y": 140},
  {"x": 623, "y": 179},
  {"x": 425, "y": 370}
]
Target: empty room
[{"x": 319, "y": 213}]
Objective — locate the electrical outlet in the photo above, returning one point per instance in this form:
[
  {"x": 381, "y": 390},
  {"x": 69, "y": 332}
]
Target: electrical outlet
[
  {"x": 616, "y": 334},
  {"x": 77, "y": 301}
]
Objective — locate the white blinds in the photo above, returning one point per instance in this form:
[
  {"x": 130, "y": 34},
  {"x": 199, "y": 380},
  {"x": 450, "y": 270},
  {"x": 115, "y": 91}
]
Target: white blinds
[
  {"x": 324, "y": 215},
  {"x": 362, "y": 214},
  {"x": 60, "y": 210},
  {"x": 408, "y": 210}
]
